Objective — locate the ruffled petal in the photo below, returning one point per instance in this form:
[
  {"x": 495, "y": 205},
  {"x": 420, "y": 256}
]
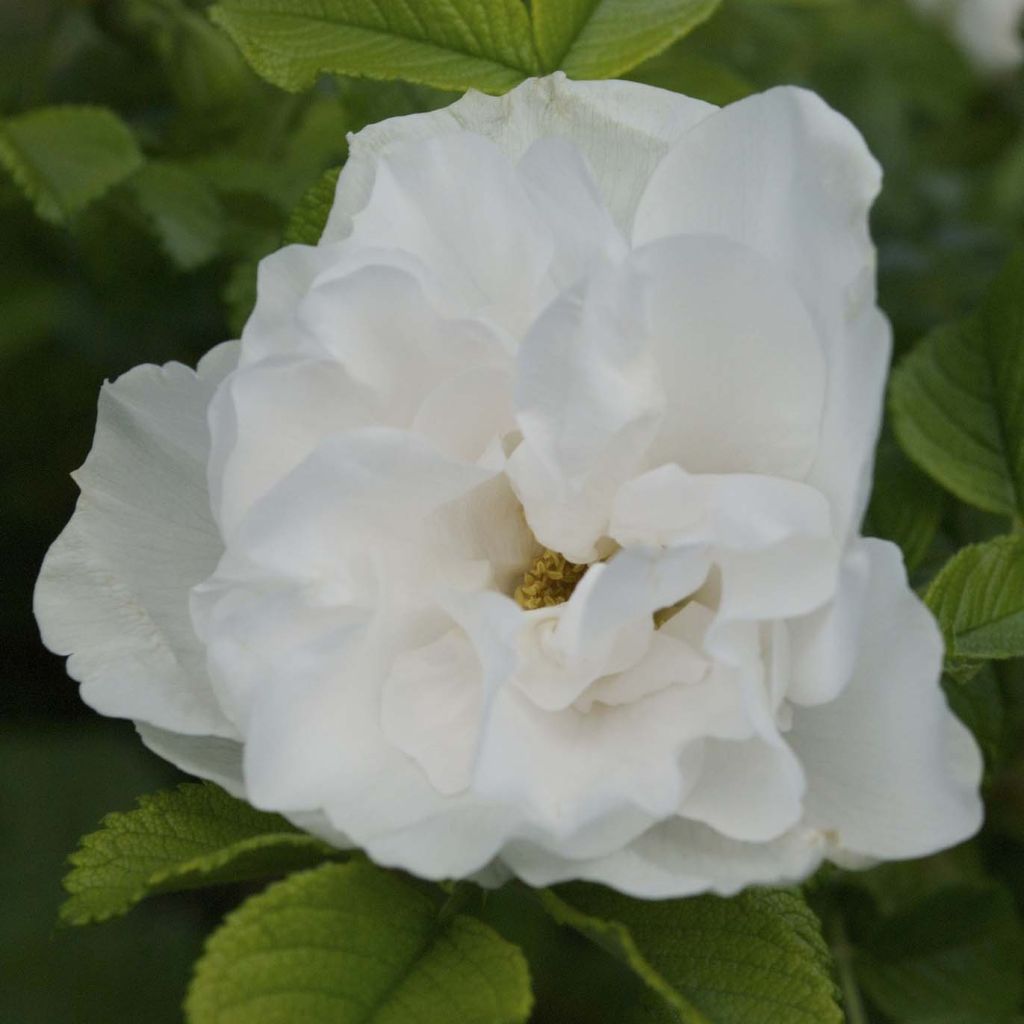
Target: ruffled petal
[
  {"x": 891, "y": 772},
  {"x": 622, "y": 129},
  {"x": 588, "y": 404},
  {"x": 113, "y": 590},
  {"x": 795, "y": 182}
]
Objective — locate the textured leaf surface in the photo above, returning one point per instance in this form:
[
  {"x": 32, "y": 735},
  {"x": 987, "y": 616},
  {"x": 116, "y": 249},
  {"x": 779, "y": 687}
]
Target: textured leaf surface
[
  {"x": 351, "y": 944},
  {"x": 956, "y": 401},
  {"x": 65, "y": 157},
  {"x": 955, "y": 956},
  {"x": 306, "y": 224},
  {"x": 449, "y": 44},
  {"x": 184, "y": 211},
  {"x": 603, "y": 38},
  {"x": 184, "y": 838},
  {"x": 757, "y": 958},
  {"x": 978, "y": 599}
]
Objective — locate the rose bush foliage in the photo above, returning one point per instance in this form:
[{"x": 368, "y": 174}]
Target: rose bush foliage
[{"x": 520, "y": 531}]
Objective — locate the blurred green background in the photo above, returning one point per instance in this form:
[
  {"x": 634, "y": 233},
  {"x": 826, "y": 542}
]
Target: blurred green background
[{"x": 118, "y": 286}]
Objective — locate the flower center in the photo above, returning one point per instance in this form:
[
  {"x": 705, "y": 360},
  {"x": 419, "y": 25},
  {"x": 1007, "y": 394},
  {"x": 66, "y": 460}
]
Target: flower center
[{"x": 549, "y": 581}]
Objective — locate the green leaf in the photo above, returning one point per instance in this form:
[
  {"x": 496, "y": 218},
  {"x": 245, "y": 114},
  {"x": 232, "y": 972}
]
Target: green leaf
[
  {"x": 956, "y": 401},
  {"x": 604, "y": 38},
  {"x": 977, "y": 700},
  {"x": 185, "y": 838},
  {"x": 307, "y": 221},
  {"x": 348, "y": 944},
  {"x": 757, "y": 958},
  {"x": 954, "y": 956},
  {"x": 906, "y": 506},
  {"x": 978, "y": 599},
  {"x": 449, "y": 44},
  {"x": 183, "y": 210},
  {"x": 63, "y": 158}
]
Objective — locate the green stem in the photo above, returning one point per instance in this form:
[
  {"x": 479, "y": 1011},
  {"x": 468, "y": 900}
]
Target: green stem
[{"x": 842, "y": 950}]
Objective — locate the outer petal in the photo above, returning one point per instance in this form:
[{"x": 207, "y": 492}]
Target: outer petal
[
  {"x": 786, "y": 175},
  {"x": 113, "y": 590},
  {"x": 622, "y": 128},
  {"x": 678, "y": 858},
  {"x": 209, "y": 757},
  {"x": 891, "y": 772}
]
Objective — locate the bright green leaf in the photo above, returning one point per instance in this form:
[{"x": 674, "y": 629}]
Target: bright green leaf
[
  {"x": 906, "y": 506},
  {"x": 192, "y": 836},
  {"x": 954, "y": 956},
  {"x": 351, "y": 944},
  {"x": 956, "y": 401},
  {"x": 307, "y": 221},
  {"x": 184, "y": 211},
  {"x": 757, "y": 958},
  {"x": 449, "y": 44},
  {"x": 978, "y": 599},
  {"x": 604, "y": 38},
  {"x": 63, "y": 158}
]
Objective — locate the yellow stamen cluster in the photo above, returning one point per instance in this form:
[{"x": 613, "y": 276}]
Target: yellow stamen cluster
[{"x": 549, "y": 581}]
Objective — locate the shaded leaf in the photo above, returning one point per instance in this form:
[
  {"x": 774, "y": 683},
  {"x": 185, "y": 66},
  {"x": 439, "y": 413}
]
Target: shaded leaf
[
  {"x": 183, "y": 210},
  {"x": 63, "y": 158},
  {"x": 757, "y": 958},
  {"x": 906, "y": 506},
  {"x": 184, "y": 838},
  {"x": 307, "y": 221},
  {"x": 956, "y": 400},
  {"x": 346, "y": 944},
  {"x": 954, "y": 956}
]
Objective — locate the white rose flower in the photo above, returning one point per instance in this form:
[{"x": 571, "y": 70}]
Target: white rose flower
[
  {"x": 988, "y": 30},
  {"x": 520, "y": 532}
]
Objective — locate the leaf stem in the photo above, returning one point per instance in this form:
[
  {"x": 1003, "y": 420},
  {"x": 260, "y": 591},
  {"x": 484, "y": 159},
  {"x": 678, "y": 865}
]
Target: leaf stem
[{"x": 842, "y": 950}]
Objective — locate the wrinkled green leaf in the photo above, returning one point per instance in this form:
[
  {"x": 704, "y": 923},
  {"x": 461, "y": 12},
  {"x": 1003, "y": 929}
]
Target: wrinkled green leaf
[
  {"x": 192, "y": 836},
  {"x": 954, "y": 956},
  {"x": 757, "y": 958},
  {"x": 956, "y": 400},
  {"x": 604, "y": 38},
  {"x": 978, "y": 599},
  {"x": 348, "y": 944},
  {"x": 449, "y": 44},
  {"x": 183, "y": 210},
  {"x": 307, "y": 221},
  {"x": 63, "y": 158}
]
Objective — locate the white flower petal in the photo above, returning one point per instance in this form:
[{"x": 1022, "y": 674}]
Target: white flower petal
[
  {"x": 795, "y": 182},
  {"x": 678, "y": 858},
  {"x": 891, "y": 772},
  {"x": 113, "y": 590},
  {"x": 267, "y": 418},
  {"x": 208, "y": 757},
  {"x": 622, "y": 129},
  {"x": 738, "y": 355},
  {"x": 487, "y": 245},
  {"x": 588, "y": 402},
  {"x": 825, "y": 644},
  {"x": 432, "y": 706},
  {"x": 749, "y": 790}
]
